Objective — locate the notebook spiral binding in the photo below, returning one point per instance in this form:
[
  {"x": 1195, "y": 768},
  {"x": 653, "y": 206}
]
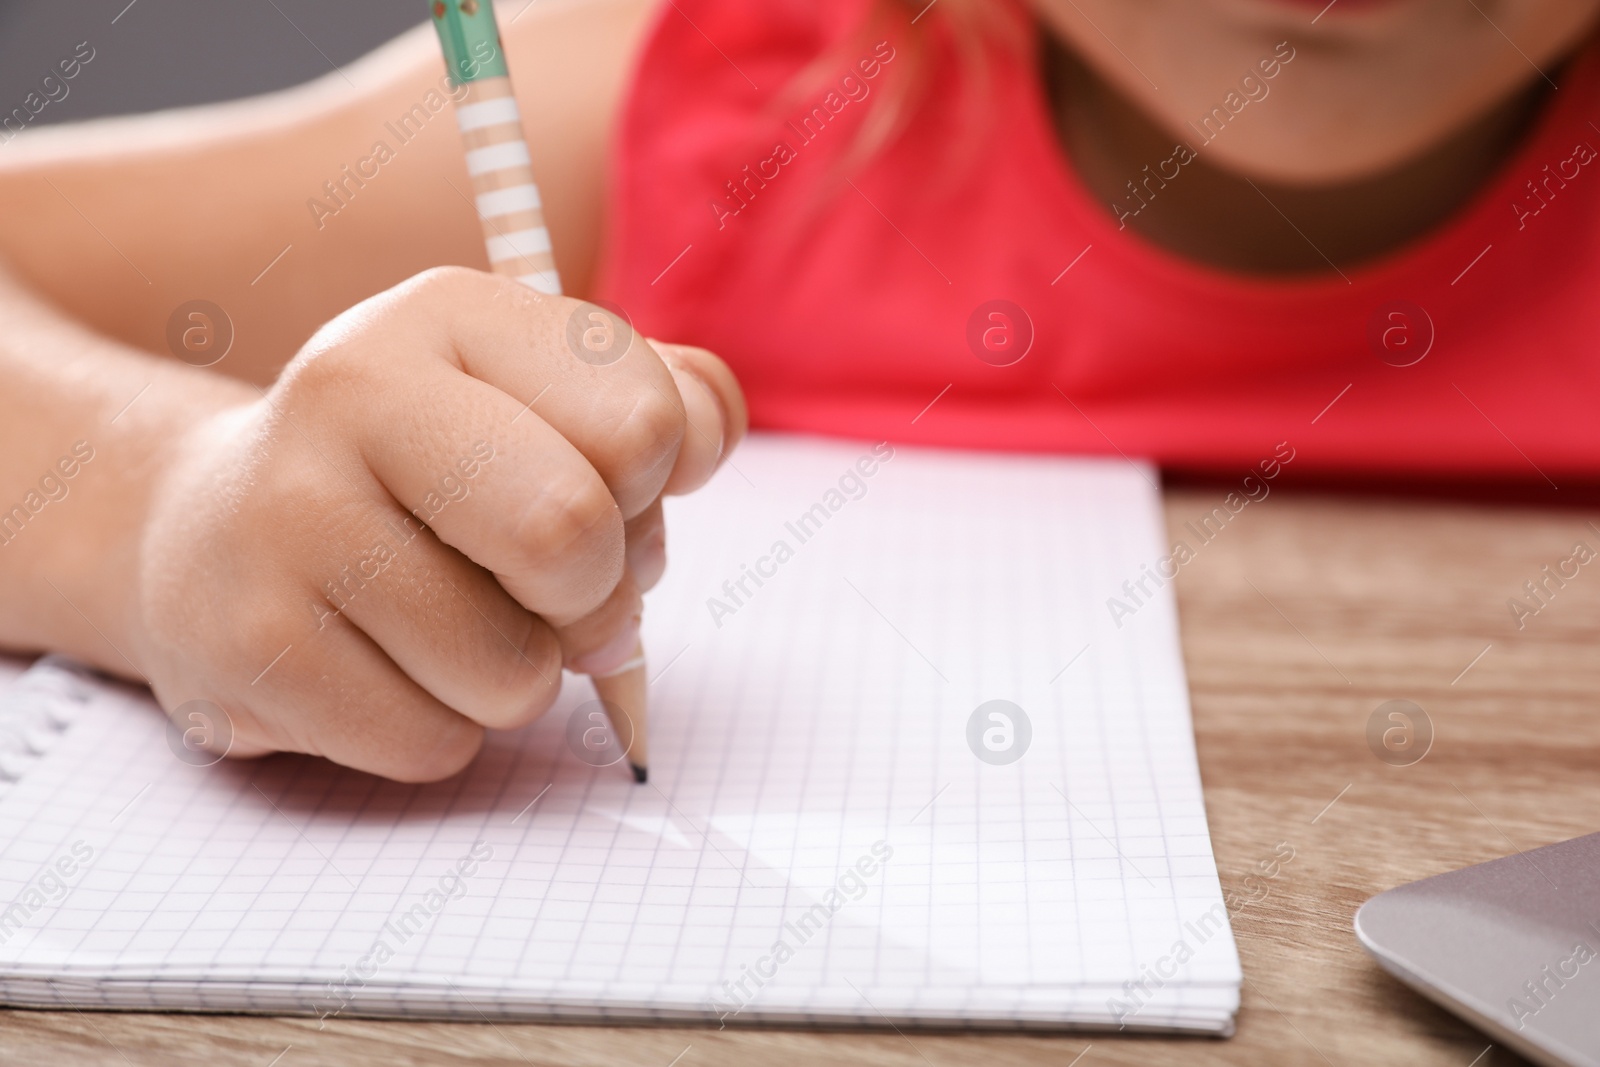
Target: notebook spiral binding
[{"x": 35, "y": 711}]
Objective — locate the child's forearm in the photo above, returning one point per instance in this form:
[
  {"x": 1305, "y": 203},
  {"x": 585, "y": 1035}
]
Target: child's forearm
[
  {"x": 120, "y": 221},
  {"x": 285, "y": 209},
  {"x": 84, "y": 424}
]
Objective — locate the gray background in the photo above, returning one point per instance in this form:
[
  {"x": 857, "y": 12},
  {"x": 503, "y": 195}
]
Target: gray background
[{"x": 167, "y": 53}]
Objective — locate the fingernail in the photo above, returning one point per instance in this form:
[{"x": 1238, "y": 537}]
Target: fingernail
[{"x": 611, "y": 655}]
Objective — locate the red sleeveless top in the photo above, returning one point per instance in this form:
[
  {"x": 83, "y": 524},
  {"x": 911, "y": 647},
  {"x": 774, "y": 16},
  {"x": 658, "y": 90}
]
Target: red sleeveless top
[{"x": 998, "y": 305}]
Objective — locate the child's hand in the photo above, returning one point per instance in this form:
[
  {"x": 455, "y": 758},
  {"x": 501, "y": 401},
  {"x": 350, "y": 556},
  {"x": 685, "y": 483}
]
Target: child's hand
[{"x": 285, "y": 576}]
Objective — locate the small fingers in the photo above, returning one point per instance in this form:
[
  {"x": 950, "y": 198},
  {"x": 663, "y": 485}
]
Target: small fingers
[
  {"x": 445, "y": 622},
  {"x": 343, "y": 699},
  {"x": 621, "y": 410},
  {"x": 647, "y": 546},
  {"x": 628, "y": 413},
  {"x": 502, "y": 486},
  {"x": 714, "y": 411}
]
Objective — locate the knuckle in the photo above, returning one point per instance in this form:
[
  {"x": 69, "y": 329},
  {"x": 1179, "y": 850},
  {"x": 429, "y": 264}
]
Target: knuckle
[
  {"x": 657, "y": 421},
  {"x": 570, "y": 520},
  {"x": 331, "y": 361},
  {"x": 455, "y": 287},
  {"x": 359, "y": 342},
  {"x": 646, "y": 438},
  {"x": 444, "y": 280}
]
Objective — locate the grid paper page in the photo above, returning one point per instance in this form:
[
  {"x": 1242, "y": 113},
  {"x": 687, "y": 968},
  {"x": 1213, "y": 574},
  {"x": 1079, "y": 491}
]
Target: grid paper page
[{"x": 819, "y": 840}]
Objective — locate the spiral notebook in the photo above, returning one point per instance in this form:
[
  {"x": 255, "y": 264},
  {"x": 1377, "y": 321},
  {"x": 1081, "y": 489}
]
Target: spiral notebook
[{"x": 908, "y": 768}]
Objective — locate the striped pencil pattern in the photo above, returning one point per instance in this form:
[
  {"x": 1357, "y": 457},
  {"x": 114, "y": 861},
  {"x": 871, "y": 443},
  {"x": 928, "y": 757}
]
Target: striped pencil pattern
[
  {"x": 509, "y": 208},
  {"x": 507, "y": 199}
]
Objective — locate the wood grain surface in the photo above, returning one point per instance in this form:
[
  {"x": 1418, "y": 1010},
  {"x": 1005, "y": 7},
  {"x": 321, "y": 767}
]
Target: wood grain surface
[{"x": 1299, "y": 619}]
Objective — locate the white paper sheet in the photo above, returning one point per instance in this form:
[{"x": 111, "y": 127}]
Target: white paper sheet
[{"x": 818, "y": 841}]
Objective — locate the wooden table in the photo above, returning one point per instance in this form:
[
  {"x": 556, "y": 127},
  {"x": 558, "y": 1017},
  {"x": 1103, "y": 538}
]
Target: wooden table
[{"x": 1303, "y": 616}]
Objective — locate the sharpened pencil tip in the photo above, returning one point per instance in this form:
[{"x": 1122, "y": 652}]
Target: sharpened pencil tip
[{"x": 640, "y": 774}]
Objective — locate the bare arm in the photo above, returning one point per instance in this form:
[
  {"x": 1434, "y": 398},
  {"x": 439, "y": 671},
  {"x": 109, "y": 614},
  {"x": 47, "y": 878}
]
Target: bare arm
[
  {"x": 85, "y": 424},
  {"x": 432, "y": 509},
  {"x": 119, "y": 221}
]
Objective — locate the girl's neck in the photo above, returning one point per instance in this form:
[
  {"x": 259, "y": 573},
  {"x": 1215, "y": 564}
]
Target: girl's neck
[{"x": 1215, "y": 217}]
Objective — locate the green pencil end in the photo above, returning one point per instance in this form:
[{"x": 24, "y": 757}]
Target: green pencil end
[{"x": 470, "y": 39}]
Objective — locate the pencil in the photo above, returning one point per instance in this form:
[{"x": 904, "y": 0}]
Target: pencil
[{"x": 512, "y": 217}]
